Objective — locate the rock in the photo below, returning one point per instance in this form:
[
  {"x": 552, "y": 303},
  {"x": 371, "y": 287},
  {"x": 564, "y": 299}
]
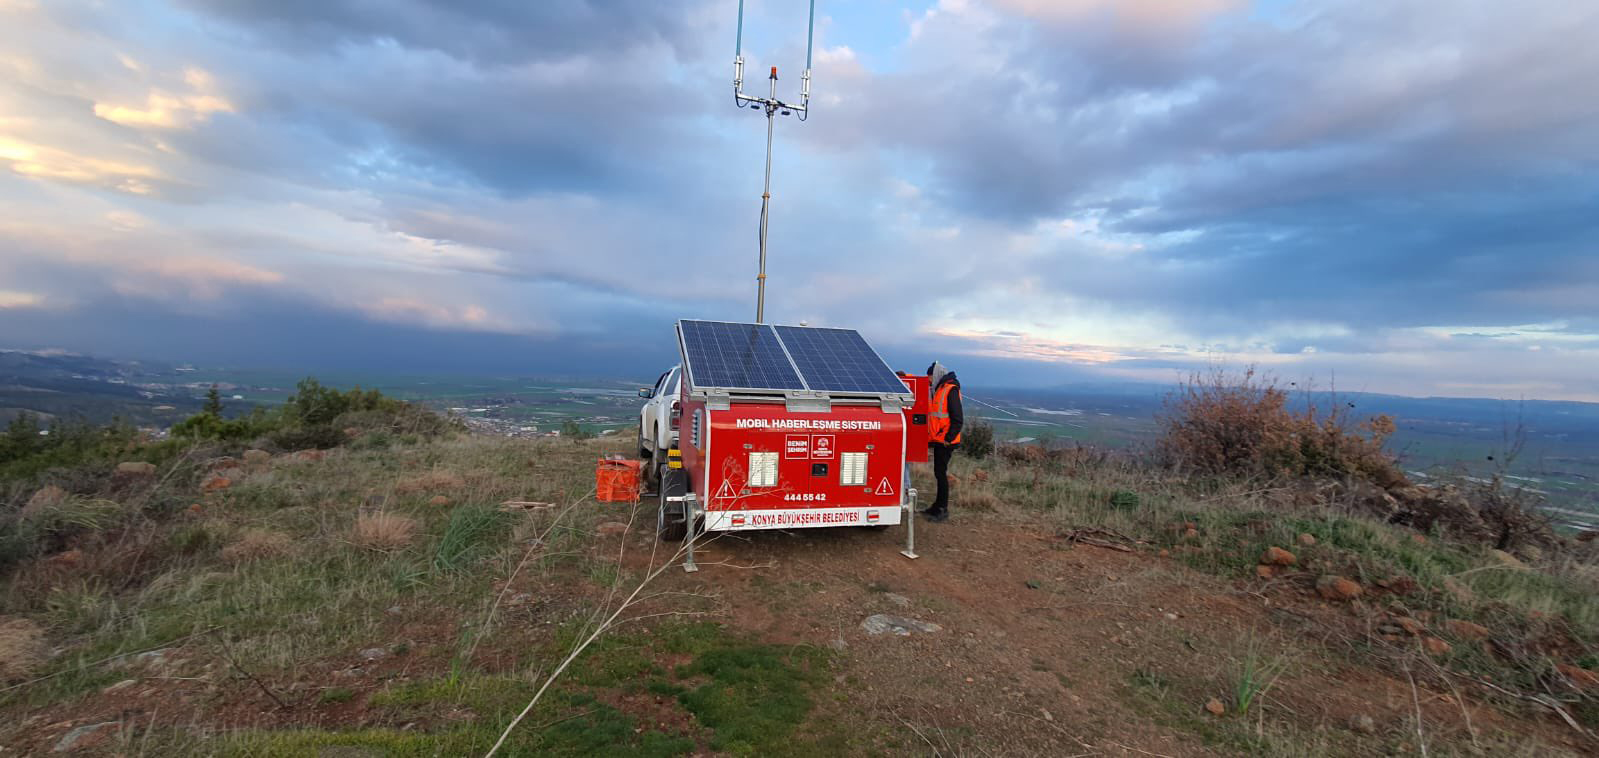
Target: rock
[
  {"x": 1582, "y": 678},
  {"x": 1363, "y": 724},
  {"x": 1460, "y": 592},
  {"x": 880, "y": 623},
  {"x": 1033, "y": 584},
  {"x": 256, "y": 457},
  {"x": 48, "y": 496},
  {"x": 1276, "y": 556},
  {"x": 1507, "y": 560},
  {"x": 310, "y": 455},
  {"x": 85, "y": 737},
  {"x": 1171, "y": 617},
  {"x": 374, "y": 654},
  {"x": 1191, "y": 534},
  {"x": 1434, "y": 646},
  {"x": 1265, "y": 572},
  {"x": 66, "y": 558},
  {"x": 612, "y": 528},
  {"x": 194, "y": 509},
  {"x": 896, "y": 599},
  {"x": 1215, "y": 707},
  {"x": 216, "y": 483},
  {"x": 1410, "y": 626},
  {"x": 1337, "y": 588},
  {"x": 135, "y": 469},
  {"x": 438, "y": 500},
  {"x": 154, "y": 660},
  {"x": 224, "y": 463},
  {"x": 980, "y": 475},
  {"x": 1467, "y": 630},
  {"x": 1307, "y": 539},
  {"x": 1164, "y": 553}
]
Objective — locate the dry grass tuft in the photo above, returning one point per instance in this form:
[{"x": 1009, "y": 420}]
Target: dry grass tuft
[
  {"x": 383, "y": 531},
  {"x": 978, "y": 498},
  {"x": 256, "y": 544},
  {"x": 22, "y": 648}
]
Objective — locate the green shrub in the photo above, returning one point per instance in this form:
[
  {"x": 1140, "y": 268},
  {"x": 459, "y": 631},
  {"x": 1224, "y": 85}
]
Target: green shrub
[
  {"x": 1221, "y": 424},
  {"x": 28, "y": 449},
  {"x": 977, "y": 440},
  {"x": 574, "y": 431},
  {"x": 320, "y": 437}
]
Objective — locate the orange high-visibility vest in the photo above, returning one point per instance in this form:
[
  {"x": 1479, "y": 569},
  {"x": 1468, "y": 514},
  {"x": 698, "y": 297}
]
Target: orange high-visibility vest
[{"x": 938, "y": 420}]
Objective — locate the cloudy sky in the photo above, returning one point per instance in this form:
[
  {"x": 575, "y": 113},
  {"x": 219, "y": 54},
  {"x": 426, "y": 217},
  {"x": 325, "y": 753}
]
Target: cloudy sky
[{"x": 1398, "y": 196}]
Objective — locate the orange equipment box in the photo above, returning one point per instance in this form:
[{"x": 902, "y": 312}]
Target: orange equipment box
[{"x": 616, "y": 481}]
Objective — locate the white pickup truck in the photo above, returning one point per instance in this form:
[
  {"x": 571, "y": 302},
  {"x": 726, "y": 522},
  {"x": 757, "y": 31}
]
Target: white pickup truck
[{"x": 657, "y": 425}]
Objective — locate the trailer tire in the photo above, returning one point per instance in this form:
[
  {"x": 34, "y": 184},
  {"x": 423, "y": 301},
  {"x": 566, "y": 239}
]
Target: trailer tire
[{"x": 670, "y": 523}]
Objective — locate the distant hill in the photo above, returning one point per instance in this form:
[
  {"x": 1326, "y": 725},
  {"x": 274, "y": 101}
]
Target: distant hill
[{"x": 75, "y": 386}]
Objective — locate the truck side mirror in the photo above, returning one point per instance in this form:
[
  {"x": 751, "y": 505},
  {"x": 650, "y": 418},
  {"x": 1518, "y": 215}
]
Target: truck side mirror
[{"x": 646, "y": 393}]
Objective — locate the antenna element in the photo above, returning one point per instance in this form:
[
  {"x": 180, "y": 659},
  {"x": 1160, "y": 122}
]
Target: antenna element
[{"x": 773, "y": 107}]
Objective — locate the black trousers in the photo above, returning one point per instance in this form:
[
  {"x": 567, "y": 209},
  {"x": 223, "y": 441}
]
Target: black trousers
[{"x": 941, "y": 454}]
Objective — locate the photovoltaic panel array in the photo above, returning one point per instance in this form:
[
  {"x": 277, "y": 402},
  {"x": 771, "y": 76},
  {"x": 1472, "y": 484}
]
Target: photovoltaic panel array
[
  {"x": 761, "y": 357},
  {"x": 736, "y": 356},
  {"x": 838, "y": 360}
]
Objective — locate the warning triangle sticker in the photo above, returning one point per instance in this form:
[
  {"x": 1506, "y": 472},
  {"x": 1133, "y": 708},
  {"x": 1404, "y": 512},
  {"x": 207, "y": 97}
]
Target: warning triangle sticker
[
  {"x": 884, "y": 488},
  {"x": 726, "y": 492}
]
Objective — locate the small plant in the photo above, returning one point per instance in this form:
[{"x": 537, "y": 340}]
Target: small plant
[
  {"x": 22, "y": 649},
  {"x": 337, "y": 695},
  {"x": 1254, "y": 677},
  {"x": 1124, "y": 500},
  {"x": 256, "y": 544},
  {"x": 383, "y": 531}
]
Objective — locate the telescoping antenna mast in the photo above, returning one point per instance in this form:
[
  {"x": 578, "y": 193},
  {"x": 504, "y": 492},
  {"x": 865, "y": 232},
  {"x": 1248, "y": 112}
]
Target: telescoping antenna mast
[{"x": 772, "y": 106}]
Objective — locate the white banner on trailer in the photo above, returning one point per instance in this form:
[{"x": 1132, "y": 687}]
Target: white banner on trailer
[{"x": 800, "y": 518}]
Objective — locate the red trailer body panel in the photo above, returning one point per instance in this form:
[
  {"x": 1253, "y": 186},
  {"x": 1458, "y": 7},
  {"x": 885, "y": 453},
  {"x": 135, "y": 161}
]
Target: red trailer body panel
[
  {"x": 760, "y": 466},
  {"x": 917, "y": 433}
]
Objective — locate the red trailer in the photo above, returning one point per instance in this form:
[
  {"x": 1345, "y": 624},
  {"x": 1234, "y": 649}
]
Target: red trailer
[{"x": 789, "y": 427}]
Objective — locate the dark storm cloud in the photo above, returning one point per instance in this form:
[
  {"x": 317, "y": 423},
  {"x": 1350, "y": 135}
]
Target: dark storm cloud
[
  {"x": 486, "y": 31},
  {"x": 518, "y": 97}
]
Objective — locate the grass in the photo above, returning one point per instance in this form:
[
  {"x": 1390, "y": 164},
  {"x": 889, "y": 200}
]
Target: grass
[{"x": 472, "y": 532}]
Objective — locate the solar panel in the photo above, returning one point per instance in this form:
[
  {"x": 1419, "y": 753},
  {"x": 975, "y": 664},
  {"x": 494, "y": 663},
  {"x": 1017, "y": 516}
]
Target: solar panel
[
  {"x": 838, "y": 360},
  {"x": 736, "y": 356}
]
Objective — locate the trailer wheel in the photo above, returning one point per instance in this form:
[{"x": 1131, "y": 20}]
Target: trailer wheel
[{"x": 670, "y": 523}]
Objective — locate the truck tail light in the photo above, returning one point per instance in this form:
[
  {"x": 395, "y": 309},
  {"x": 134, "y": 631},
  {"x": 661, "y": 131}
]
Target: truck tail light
[
  {"x": 677, "y": 410},
  {"x": 763, "y": 469},
  {"x": 852, "y": 469}
]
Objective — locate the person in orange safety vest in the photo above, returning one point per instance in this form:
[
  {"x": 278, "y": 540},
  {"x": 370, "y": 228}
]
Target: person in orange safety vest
[{"x": 944, "y": 424}]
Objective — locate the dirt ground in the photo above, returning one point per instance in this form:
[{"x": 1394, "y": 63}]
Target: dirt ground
[
  {"x": 1046, "y": 647},
  {"x": 1041, "y": 647}
]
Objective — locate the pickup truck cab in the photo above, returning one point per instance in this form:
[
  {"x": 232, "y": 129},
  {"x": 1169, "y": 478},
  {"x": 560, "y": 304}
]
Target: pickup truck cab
[{"x": 657, "y": 427}]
